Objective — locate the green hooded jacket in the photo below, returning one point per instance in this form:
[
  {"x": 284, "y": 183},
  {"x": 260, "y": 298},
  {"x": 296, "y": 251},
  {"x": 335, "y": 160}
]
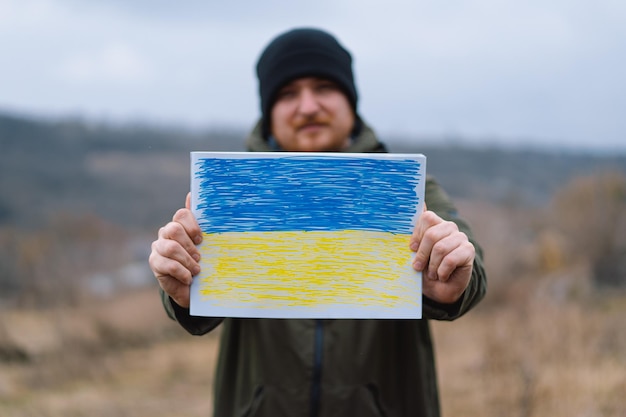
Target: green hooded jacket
[{"x": 324, "y": 368}]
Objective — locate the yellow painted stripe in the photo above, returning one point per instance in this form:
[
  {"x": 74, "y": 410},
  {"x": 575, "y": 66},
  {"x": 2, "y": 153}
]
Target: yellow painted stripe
[{"x": 308, "y": 269}]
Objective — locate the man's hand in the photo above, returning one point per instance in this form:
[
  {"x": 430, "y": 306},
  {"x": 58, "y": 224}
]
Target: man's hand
[
  {"x": 444, "y": 255},
  {"x": 174, "y": 257}
]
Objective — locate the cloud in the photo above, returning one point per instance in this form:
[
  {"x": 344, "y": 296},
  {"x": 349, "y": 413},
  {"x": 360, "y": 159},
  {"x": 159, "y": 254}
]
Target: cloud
[{"x": 113, "y": 64}]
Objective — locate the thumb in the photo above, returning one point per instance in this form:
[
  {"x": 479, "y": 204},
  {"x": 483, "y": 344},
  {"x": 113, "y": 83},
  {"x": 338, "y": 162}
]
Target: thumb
[{"x": 188, "y": 201}]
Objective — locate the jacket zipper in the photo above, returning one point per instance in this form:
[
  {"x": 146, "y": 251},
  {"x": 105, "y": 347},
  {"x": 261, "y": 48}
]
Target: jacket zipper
[{"x": 318, "y": 345}]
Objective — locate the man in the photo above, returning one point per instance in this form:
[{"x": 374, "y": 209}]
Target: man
[{"x": 270, "y": 367}]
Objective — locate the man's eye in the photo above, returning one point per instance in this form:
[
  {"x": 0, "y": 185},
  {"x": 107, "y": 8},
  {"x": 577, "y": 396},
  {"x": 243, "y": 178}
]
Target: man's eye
[
  {"x": 326, "y": 87},
  {"x": 284, "y": 94}
]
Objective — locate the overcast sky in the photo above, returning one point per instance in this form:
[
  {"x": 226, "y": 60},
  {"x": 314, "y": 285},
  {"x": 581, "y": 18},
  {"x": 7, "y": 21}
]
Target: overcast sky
[{"x": 508, "y": 72}]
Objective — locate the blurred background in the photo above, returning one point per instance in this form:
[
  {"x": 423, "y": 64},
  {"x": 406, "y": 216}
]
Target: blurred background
[{"x": 518, "y": 106}]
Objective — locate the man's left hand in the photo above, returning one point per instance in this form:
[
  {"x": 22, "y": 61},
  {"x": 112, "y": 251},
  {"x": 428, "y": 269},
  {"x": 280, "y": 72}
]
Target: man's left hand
[{"x": 444, "y": 255}]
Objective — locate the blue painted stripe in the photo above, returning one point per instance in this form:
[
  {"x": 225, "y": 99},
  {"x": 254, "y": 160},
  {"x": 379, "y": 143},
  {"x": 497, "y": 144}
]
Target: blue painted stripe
[{"x": 325, "y": 193}]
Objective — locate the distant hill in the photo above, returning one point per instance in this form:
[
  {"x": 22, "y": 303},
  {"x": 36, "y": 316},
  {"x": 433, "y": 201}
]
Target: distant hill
[
  {"x": 511, "y": 176},
  {"x": 137, "y": 175},
  {"x": 132, "y": 175}
]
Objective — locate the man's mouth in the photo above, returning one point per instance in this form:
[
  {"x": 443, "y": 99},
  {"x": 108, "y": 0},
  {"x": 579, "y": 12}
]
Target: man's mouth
[{"x": 311, "y": 126}]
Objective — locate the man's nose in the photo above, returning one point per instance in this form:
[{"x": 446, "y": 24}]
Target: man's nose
[{"x": 308, "y": 103}]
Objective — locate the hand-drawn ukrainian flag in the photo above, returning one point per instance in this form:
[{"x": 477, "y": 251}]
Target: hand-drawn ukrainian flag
[{"x": 307, "y": 235}]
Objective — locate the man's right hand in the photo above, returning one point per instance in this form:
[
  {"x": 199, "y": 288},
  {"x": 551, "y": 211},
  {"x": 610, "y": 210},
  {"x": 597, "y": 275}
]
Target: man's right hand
[{"x": 174, "y": 257}]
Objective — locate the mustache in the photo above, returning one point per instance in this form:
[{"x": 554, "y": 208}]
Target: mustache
[{"x": 311, "y": 120}]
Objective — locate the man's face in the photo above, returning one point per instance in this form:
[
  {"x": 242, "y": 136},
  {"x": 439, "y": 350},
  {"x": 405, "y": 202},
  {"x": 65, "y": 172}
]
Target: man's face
[{"x": 312, "y": 115}]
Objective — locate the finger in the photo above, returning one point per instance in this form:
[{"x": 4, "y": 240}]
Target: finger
[
  {"x": 173, "y": 277},
  {"x": 179, "y": 292},
  {"x": 169, "y": 258},
  {"x": 426, "y": 220},
  {"x": 186, "y": 218},
  {"x": 447, "y": 292},
  {"x": 176, "y": 232},
  {"x": 168, "y": 268},
  {"x": 188, "y": 201},
  {"x": 447, "y": 255},
  {"x": 441, "y": 247},
  {"x": 430, "y": 230},
  {"x": 460, "y": 257}
]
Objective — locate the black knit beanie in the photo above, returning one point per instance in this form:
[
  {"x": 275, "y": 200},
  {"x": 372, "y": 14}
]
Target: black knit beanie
[{"x": 300, "y": 53}]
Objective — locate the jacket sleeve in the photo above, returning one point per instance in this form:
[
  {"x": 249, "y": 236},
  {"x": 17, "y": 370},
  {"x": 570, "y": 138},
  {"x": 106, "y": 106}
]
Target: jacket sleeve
[
  {"x": 193, "y": 324},
  {"x": 439, "y": 202}
]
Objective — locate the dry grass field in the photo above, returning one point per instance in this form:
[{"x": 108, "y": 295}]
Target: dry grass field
[
  {"x": 113, "y": 358},
  {"x": 537, "y": 357},
  {"x": 543, "y": 358}
]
